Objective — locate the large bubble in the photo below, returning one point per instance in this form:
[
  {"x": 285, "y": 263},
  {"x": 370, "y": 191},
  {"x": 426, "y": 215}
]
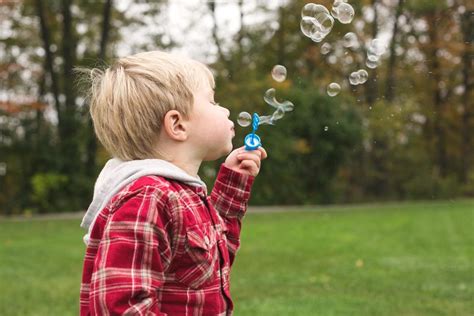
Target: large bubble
[
  {"x": 316, "y": 22},
  {"x": 344, "y": 12},
  {"x": 281, "y": 107},
  {"x": 278, "y": 114},
  {"x": 334, "y": 11}
]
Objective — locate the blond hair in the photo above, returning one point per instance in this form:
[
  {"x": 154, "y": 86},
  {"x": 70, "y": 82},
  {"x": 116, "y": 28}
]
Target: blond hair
[{"x": 129, "y": 100}]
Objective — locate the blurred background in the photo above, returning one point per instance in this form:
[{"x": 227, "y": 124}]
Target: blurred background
[
  {"x": 393, "y": 156},
  {"x": 404, "y": 134}
]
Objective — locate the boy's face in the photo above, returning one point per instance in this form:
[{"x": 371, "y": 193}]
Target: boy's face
[{"x": 212, "y": 131}]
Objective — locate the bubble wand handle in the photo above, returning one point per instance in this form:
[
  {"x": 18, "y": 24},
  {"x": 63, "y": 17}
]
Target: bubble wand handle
[{"x": 252, "y": 141}]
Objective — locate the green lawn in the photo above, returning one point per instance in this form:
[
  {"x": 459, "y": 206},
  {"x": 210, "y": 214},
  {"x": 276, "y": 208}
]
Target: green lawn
[{"x": 387, "y": 259}]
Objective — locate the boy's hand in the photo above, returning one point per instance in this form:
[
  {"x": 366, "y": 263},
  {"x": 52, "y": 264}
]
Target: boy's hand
[{"x": 246, "y": 162}]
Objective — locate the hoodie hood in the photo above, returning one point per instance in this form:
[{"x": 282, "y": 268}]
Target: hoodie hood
[{"x": 117, "y": 173}]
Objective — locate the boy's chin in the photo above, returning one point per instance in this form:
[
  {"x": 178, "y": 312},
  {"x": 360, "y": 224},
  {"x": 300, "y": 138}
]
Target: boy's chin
[{"x": 217, "y": 155}]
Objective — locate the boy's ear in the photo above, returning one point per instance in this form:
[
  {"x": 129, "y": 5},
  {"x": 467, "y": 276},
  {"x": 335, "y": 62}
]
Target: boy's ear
[{"x": 175, "y": 125}]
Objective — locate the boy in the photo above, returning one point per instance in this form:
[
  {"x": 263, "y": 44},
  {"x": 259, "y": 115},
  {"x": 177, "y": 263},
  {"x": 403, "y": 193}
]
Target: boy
[{"x": 156, "y": 243}]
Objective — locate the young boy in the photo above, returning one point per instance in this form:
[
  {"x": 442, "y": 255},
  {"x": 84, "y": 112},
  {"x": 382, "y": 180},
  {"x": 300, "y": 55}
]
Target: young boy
[{"x": 157, "y": 244}]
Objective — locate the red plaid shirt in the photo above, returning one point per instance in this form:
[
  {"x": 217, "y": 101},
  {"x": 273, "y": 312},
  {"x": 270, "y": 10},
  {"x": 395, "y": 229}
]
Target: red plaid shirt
[{"x": 161, "y": 247}]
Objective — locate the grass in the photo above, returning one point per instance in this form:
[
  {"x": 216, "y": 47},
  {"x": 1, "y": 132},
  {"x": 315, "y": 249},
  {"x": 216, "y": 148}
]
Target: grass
[{"x": 387, "y": 259}]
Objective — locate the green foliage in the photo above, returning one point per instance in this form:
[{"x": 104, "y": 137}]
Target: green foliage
[
  {"x": 306, "y": 149},
  {"x": 47, "y": 189},
  {"x": 371, "y": 150}
]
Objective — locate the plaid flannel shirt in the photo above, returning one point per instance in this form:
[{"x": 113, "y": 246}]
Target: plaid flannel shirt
[{"x": 161, "y": 247}]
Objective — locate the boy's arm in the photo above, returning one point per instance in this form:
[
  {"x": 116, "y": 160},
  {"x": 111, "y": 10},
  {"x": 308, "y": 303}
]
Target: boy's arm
[
  {"x": 133, "y": 254},
  {"x": 230, "y": 197}
]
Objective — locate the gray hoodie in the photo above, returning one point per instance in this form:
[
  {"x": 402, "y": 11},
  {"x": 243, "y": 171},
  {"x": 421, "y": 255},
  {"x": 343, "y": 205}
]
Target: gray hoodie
[{"x": 117, "y": 173}]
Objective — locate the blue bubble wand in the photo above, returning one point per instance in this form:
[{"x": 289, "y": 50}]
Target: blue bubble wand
[{"x": 252, "y": 141}]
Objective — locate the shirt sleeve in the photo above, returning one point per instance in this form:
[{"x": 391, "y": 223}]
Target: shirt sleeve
[
  {"x": 132, "y": 256},
  {"x": 230, "y": 197}
]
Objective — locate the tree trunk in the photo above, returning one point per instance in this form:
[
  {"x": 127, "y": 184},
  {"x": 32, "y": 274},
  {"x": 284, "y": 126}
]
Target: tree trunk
[
  {"x": 390, "y": 88},
  {"x": 240, "y": 36},
  {"x": 212, "y": 7},
  {"x": 467, "y": 21},
  {"x": 45, "y": 35},
  {"x": 371, "y": 85},
  {"x": 92, "y": 141},
  {"x": 435, "y": 69},
  {"x": 69, "y": 137},
  {"x": 281, "y": 58}
]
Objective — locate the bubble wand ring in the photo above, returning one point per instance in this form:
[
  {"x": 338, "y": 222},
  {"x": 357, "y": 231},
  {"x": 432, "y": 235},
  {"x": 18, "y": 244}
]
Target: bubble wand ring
[{"x": 252, "y": 141}]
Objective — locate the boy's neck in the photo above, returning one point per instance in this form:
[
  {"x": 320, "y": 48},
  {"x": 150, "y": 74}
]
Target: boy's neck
[
  {"x": 188, "y": 166},
  {"x": 181, "y": 155}
]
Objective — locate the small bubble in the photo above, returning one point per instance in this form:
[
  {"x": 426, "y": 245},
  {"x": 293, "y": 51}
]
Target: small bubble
[
  {"x": 372, "y": 57},
  {"x": 350, "y": 40},
  {"x": 376, "y": 47},
  {"x": 371, "y": 64},
  {"x": 326, "y": 128},
  {"x": 325, "y": 48},
  {"x": 279, "y": 73},
  {"x": 244, "y": 119},
  {"x": 333, "y": 89},
  {"x": 363, "y": 76},
  {"x": 345, "y": 13},
  {"x": 354, "y": 78}
]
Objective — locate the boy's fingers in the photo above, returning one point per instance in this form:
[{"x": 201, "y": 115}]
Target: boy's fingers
[
  {"x": 263, "y": 152},
  {"x": 249, "y": 165},
  {"x": 250, "y": 156}
]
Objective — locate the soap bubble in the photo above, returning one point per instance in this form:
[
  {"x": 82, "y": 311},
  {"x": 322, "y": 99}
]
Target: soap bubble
[
  {"x": 266, "y": 119},
  {"x": 354, "y": 78},
  {"x": 350, "y": 40},
  {"x": 310, "y": 9},
  {"x": 278, "y": 114},
  {"x": 316, "y": 22},
  {"x": 279, "y": 73},
  {"x": 371, "y": 64},
  {"x": 286, "y": 106},
  {"x": 358, "y": 77},
  {"x": 373, "y": 58},
  {"x": 363, "y": 76},
  {"x": 376, "y": 47},
  {"x": 326, "y": 128},
  {"x": 333, "y": 89},
  {"x": 325, "y": 48},
  {"x": 344, "y": 13},
  {"x": 244, "y": 119},
  {"x": 334, "y": 10},
  {"x": 270, "y": 99}
]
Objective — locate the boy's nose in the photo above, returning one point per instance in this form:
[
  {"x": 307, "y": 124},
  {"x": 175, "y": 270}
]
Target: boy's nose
[{"x": 227, "y": 111}]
